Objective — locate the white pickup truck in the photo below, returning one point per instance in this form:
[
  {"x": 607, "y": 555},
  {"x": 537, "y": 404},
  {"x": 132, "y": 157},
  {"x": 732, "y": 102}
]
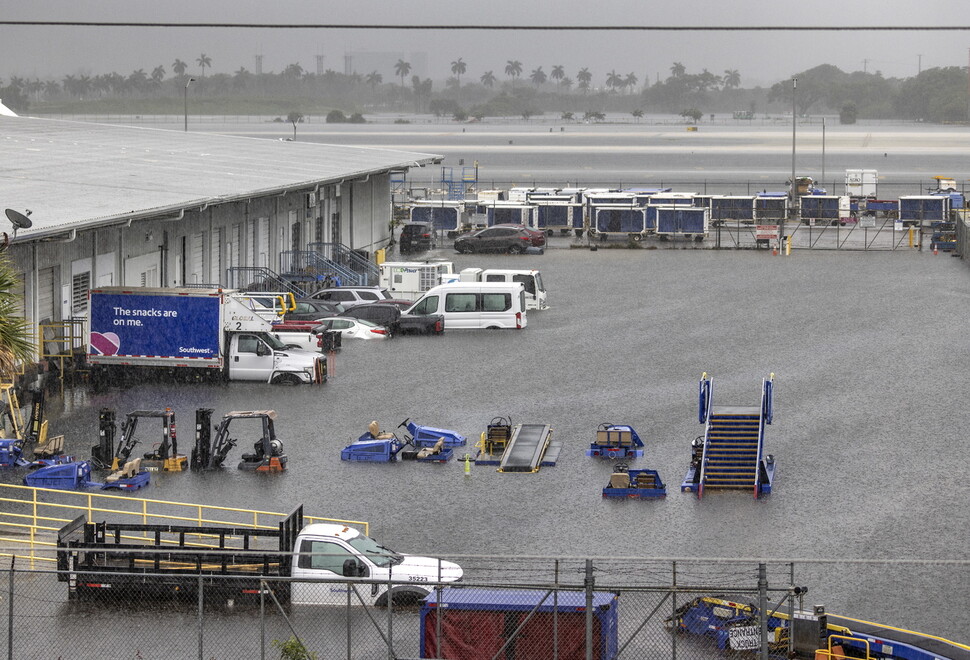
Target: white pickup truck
[{"x": 329, "y": 563}]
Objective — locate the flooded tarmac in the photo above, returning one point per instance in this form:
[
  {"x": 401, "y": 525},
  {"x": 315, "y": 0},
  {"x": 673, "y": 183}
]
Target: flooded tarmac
[
  {"x": 868, "y": 349},
  {"x": 868, "y": 352}
]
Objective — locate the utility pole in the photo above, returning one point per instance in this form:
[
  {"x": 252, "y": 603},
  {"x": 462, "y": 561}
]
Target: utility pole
[{"x": 919, "y": 64}]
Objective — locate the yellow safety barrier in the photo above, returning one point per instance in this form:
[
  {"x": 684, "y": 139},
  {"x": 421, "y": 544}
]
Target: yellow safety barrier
[{"x": 43, "y": 511}]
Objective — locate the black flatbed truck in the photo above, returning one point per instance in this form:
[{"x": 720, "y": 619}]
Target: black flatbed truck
[{"x": 133, "y": 560}]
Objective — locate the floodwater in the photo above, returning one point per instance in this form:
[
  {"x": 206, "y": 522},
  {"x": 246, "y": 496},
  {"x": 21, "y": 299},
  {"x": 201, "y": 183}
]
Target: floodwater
[
  {"x": 724, "y": 157},
  {"x": 869, "y": 354}
]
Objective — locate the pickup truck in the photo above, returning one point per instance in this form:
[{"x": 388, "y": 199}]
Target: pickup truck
[
  {"x": 324, "y": 561},
  {"x": 391, "y": 317}
]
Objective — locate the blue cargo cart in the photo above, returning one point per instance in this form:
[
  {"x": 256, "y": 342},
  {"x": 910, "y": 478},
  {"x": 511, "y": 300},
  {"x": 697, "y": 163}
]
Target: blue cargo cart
[
  {"x": 616, "y": 441},
  {"x": 517, "y": 624},
  {"x": 638, "y": 484}
]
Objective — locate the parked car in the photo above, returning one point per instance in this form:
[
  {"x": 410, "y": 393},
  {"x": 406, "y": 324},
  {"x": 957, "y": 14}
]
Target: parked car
[
  {"x": 311, "y": 309},
  {"x": 417, "y": 237},
  {"x": 390, "y": 316},
  {"x": 351, "y": 328},
  {"x": 514, "y": 239},
  {"x": 348, "y": 296}
]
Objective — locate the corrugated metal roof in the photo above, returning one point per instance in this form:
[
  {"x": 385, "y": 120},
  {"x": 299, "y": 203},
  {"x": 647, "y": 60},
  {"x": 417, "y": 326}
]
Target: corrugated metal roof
[{"x": 75, "y": 175}]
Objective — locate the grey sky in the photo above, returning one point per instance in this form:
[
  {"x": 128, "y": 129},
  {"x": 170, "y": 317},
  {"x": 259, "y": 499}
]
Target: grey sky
[{"x": 761, "y": 58}]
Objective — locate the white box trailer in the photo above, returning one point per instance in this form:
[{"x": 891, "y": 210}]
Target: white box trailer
[
  {"x": 861, "y": 183},
  {"x": 408, "y": 280},
  {"x": 531, "y": 280}
]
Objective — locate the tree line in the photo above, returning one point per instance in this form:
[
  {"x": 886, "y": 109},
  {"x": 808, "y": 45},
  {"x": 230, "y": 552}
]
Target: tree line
[{"x": 936, "y": 95}]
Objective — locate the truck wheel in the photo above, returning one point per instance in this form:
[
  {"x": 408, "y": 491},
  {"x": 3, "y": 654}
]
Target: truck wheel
[{"x": 287, "y": 379}]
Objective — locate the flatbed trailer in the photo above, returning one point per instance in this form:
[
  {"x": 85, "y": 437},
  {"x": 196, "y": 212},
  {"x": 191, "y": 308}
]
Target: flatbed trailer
[{"x": 176, "y": 560}]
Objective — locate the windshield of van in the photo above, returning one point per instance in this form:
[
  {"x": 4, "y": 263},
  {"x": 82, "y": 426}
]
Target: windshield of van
[
  {"x": 425, "y": 306},
  {"x": 539, "y": 284}
]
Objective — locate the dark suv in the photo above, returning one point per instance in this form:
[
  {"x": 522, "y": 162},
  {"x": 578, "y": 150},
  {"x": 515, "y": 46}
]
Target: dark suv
[
  {"x": 417, "y": 237},
  {"x": 514, "y": 239},
  {"x": 390, "y": 316}
]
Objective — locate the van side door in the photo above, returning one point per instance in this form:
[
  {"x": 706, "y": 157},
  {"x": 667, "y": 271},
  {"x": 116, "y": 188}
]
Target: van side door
[{"x": 462, "y": 310}]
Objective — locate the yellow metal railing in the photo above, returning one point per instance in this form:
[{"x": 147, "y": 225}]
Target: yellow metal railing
[{"x": 43, "y": 511}]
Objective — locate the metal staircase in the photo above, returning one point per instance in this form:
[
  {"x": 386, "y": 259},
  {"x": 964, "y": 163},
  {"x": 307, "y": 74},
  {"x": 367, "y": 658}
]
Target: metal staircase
[
  {"x": 362, "y": 270},
  {"x": 734, "y": 457},
  {"x": 311, "y": 271},
  {"x": 258, "y": 278},
  {"x": 456, "y": 185}
]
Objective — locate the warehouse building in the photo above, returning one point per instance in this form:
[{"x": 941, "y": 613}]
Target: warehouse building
[{"x": 90, "y": 205}]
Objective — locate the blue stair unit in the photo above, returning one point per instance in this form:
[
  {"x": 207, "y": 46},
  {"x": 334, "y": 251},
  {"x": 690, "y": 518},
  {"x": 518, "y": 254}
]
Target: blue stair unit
[{"x": 734, "y": 456}]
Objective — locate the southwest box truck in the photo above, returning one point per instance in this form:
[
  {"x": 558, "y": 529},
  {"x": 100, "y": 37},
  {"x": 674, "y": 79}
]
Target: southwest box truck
[{"x": 209, "y": 330}]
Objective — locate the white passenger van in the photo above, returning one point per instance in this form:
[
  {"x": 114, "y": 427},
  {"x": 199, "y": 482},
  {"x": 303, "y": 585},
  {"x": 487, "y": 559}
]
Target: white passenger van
[{"x": 475, "y": 304}]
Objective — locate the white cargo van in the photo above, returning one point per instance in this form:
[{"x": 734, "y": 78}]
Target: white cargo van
[{"x": 475, "y": 304}]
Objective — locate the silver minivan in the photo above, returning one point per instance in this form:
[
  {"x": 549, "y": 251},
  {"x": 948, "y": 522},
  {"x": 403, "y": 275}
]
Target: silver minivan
[{"x": 475, "y": 305}]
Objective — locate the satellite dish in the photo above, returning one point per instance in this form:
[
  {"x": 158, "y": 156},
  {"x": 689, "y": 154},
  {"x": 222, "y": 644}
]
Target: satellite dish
[{"x": 18, "y": 219}]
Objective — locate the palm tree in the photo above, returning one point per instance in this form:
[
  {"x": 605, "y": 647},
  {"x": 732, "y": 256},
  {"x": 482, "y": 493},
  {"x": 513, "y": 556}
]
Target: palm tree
[
  {"x": 138, "y": 80},
  {"x": 179, "y": 67},
  {"x": 567, "y": 82},
  {"x": 240, "y": 79},
  {"x": 204, "y": 61},
  {"x": 677, "y": 70},
  {"x": 631, "y": 81},
  {"x": 513, "y": 69},
  {"x": 294, "y": 118},
  {"x": 558, "y": 73},
  {"x": 15, "y": 333},
  {"x": 538, "y": 76},
  {"x": 374, "y": 79},
  {"x": 402, "y": 69},
  {"x": 488, "y": 79},
  {"x": 732, "y": 79},
  {"x": 293, "y": 70},
  {"x": 613, "y": 80},
  {"x": 637, "y": 114},
  {"x": 458, "y": 68},
  {"x": 584, "y": 78},
  {"x": 158, "y": 75}
]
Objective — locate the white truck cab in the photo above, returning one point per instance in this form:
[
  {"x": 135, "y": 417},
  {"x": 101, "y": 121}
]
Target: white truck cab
[{"x": 335, "y": 557}]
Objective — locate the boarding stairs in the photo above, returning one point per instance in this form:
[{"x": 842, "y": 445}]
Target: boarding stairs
[
  {"x": 360, "y": 270},
  {"x": 456, "y": 184},
  {"x": 734, "y": 456}
]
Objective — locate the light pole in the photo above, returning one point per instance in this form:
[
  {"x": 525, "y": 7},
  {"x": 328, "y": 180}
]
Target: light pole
[
  {"x": 794, "y": 188},
  {"x": 185, "y": 102}
]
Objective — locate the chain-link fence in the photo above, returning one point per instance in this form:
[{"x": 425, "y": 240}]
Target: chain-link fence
[{"x": 504, "y": 608}]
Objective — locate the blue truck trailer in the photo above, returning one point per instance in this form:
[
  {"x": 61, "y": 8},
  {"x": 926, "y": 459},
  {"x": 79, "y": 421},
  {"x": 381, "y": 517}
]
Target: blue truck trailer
[{"x": 211, "y": 331}]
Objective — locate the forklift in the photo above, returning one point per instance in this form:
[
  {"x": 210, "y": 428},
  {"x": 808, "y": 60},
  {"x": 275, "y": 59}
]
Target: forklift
[
  {"x": 164, "y": 455},
  {"x": 210, "y": 453}
]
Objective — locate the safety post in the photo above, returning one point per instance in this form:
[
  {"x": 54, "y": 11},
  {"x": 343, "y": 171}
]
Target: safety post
[{"x": 588, "y": 583}]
